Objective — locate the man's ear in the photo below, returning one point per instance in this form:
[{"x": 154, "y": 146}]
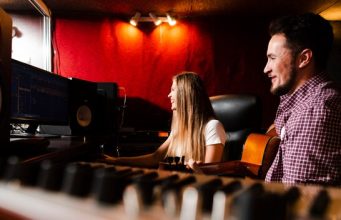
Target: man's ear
[{"x": 304, "y": 58}]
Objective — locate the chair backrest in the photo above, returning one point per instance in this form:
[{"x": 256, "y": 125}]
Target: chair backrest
[{"x": 240, "y": 115}]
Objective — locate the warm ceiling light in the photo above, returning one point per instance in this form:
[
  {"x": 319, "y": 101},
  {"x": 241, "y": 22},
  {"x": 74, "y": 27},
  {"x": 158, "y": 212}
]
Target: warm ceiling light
[
  {"x": 171, "y": 21},
  {"x": 152, "y": 18},
  {"x": 135, "y": 20},
  {"x": 157, "y": 21}
]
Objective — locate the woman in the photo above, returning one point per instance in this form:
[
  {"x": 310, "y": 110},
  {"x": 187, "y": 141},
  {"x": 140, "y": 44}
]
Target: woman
[{"x": 195, "y": 133}]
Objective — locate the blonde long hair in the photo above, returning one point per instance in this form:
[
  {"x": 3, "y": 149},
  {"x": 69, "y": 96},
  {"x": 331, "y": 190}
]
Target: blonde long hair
[{"x": 192, "y": 112}]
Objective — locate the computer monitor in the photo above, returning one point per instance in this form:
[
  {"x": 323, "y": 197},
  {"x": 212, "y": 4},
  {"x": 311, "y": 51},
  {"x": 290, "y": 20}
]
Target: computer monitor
[
  {"x": 38, "y": 97},
  {"x": 5, "y": 75}
]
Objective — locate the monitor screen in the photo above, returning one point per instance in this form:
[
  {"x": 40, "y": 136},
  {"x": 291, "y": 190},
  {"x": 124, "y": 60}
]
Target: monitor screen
[{"x": 38, "y": 96}]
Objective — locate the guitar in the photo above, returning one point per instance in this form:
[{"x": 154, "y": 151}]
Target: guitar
[{"x": 258, "y": 154}]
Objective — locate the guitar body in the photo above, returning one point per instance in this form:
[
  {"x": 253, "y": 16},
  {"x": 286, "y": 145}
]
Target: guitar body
[
  {"x": 258, "y": 154},
  {"x": 260, "y": 150}
]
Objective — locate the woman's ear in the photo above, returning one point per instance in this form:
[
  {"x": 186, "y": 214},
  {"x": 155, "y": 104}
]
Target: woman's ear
[{"x": 304, "y": 58}]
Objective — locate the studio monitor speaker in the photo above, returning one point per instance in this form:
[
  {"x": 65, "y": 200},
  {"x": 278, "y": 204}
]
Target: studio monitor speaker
[
  {"x": 107, "y": 94},
  {"x": 5, "y": 76},
  {"x": 92, "y": 108}
]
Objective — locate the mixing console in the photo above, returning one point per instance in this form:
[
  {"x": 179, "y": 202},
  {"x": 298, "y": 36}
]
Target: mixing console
[{"x": 90, "y": 190}]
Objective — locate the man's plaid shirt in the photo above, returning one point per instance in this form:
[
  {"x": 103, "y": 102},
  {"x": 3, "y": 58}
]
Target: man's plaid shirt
[{"x": 309, "y": 124}]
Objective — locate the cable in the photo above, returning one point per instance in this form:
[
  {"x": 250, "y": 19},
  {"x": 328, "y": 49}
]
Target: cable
[{"x": 122, "y": 108}]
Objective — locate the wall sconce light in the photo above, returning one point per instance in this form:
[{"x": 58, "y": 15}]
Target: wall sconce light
[
  {"x": 152, "y": 18},
  {"x": 157, "y": 21},
  {"x": 171, "y": 20},
  {"x": 135, "y": 19}
]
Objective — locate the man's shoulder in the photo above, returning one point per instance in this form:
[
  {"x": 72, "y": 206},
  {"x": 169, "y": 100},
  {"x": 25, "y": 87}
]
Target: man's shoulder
[
  {"x": 327, "y": 93},
  {"x": 330, "y": 86}
]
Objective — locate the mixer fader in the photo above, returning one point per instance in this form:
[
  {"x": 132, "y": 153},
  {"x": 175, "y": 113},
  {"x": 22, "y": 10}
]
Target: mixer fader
[{"x": 91, "y": 190}]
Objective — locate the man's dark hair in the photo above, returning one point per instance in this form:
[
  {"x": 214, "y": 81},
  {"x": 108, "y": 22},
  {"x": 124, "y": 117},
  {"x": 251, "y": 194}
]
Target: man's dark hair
[{"x": 306, "y": 31}]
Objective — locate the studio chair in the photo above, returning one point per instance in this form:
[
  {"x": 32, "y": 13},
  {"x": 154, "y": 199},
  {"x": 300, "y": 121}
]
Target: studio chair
[{"x": 240, "y": 115}]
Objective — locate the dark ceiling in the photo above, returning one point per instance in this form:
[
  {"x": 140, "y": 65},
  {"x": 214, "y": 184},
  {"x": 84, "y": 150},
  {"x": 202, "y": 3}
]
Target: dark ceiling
[{"x": 181, "y": 8}]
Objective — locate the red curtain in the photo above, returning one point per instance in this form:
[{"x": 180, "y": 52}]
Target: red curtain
[{"x": 229, "y": 55}]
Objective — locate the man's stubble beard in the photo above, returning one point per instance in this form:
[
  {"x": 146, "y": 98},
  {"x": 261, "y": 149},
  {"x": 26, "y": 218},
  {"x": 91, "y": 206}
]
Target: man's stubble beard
[{"x": 287, "y": 86}]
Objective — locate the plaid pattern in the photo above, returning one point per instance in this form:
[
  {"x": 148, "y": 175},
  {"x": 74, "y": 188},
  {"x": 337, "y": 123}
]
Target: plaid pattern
[{"x": 309, "y": 122}]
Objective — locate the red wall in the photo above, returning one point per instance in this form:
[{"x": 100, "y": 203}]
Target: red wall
[{"x": 228, "y": 53}]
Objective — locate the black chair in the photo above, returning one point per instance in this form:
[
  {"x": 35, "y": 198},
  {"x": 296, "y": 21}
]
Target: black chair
[{"x": 240, "y": 115}]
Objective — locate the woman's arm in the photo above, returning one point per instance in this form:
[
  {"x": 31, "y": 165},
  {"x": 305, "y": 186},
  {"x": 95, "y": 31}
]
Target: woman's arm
[
  {"x": 148, "y": 160},
  {"x": 215, "y": 138},
  {"x": 214, "y": 153}
]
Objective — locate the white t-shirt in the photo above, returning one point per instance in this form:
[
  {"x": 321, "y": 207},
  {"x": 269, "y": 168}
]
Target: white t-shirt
[{"x": 215, "y": 133}]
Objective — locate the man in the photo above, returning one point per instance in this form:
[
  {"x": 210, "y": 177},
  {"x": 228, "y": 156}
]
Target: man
[{"x": 308, "y": 118}]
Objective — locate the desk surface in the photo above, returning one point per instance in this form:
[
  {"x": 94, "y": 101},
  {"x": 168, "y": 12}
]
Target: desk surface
[{"x": 40, "y": 147}]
